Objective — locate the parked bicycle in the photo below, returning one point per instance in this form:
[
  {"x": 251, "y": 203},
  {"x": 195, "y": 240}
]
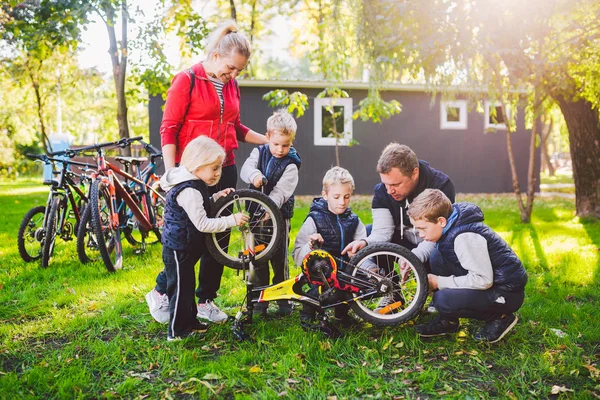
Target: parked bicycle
[
  {"x": 66, "y": 201},
  {"x": 118, "y": 207},
  {"x": 87, "y": 244}
]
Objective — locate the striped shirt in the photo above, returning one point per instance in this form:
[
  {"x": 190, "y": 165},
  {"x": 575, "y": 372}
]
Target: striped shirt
[{"x": 219, "y": 87}]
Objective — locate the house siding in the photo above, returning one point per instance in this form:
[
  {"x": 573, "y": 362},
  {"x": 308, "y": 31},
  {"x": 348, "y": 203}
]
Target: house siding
[{"x": 477, "y": 162}]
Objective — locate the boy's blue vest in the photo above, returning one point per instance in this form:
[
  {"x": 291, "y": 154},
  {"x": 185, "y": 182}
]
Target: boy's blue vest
[
  {"x": 273, "y": 168},
  {"x": 509, "y": 273},
  {"x": 179, "y": 233},
  {"x": 337, "y": 230}
]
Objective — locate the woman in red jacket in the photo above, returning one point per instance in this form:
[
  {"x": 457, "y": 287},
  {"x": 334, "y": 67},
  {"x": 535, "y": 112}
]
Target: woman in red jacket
[{"x": 205, "y": 100}]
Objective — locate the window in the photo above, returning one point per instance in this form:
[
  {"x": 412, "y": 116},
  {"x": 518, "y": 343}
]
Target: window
[
  {"x": 326, "y": 110},
  {"x": 453, "y": 114},
  {"x": 493, "y": 115}
]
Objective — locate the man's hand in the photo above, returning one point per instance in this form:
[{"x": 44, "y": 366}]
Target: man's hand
[
  {"x": 354, "y": 247},
  {"x": 222, "y": 193},
  {"x": 433, "y": 281},
  {"x": 404, "y": 271},
  {"x": 314, "y": 239},
  {"x": 258, "y": 181}
]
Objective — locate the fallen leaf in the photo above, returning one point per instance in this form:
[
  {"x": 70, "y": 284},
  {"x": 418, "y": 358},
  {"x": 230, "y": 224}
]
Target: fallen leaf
[
  {"x": 292, "y": 381},
  {"x": 385, "y": 346},
  {"x": 559, "y": 389},
  {"x": 397, "y": 371},
  {"x": 594, "y": 372},
  {"x": 325, "y": 345},
  {"x": 558, "y": 332},
  {"x": 211, "y": 376},
  {"x": 256, "y": 369}
]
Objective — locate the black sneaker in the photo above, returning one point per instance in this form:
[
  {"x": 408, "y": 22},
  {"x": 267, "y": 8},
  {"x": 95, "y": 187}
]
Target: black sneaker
[
  {"x": 437, "y": 327},
  {"x": 260, "y": 309},
  {"x": 495, "y": 329},
  {"x": 196, "y": 328},
  {"x": 284, "y": 310}
]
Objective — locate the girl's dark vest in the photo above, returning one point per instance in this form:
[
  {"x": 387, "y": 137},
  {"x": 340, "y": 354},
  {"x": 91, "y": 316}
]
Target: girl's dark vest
[
  {"x": 509, "y": 273},
  {"x": 273, "y": 168},
  {"x": 337, "y": 230},
  {"x": 179, "y": 233}
]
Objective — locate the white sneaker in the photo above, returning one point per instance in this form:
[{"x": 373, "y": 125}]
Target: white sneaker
[
  {"x": 209, "y": 311},
  {"x": 158, "y": 305}
]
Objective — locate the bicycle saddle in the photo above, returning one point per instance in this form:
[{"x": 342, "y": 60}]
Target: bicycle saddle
[{"x": 131, "y": 160}]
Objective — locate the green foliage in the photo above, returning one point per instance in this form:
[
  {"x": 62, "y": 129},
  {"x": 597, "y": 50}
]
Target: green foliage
[
  {"x": 296, "y": 102},
  {"x": 375, "y": 109}
]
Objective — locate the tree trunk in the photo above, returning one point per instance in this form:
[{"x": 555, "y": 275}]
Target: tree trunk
[
  {"x": 546, "y": 161},
  {"x": 583, "y": 124},
  {"x": 118, "y": 58},
  {"x": 40, "y": 108},
  {"x": 531, "y": 173},
  {"x": 233, "y": 10},
  {"x": 513, "y": 167}
]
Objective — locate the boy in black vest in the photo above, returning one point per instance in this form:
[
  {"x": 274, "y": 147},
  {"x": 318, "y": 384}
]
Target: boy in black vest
[
  {"x": 185, "y": 222},
  {"x": 278, "y": 162},
  {"x": 474, "y": 271},
  {"x": 333, "y": 225}
]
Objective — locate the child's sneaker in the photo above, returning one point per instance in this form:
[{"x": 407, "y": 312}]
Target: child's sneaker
[
  {"x": 496, "y": 329},
  {"x": 284, "y": 308},
  {"x": 158, "y": 305},
  {"x": 210, "y": 312},
  {"x": 198, "y": 327},
  {"x": 260, "y": 309},
  {"x": 437, "y": 327}
]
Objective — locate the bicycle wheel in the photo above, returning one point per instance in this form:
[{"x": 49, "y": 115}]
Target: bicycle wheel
[
  {"x": 52, "y": 229},
  {"x": 30, "y": 236},
  {"x": 131, "y": 229},
  {"x": 107, "y": 236},
  {"x": 402, "y": 276},
  {"x": 262, "y": 234},
  {"x": 87, "y": 245}
]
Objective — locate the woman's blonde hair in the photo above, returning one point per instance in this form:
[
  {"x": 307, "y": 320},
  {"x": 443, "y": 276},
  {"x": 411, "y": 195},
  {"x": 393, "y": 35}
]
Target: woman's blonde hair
[
  {"x": 201, "y": 151},
  {"x": 226, "y": 39},
  {"x": 429, "y": 206},
  {"x": 337, "y": 175}
]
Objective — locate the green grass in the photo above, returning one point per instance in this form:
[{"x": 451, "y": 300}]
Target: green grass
[
  {"x": 559, "y": 177},
  {"x": 76, "y": 331}
]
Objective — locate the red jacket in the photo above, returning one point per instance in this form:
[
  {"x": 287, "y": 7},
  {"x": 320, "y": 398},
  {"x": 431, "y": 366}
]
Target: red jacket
[{"x": 204, "y": 114}]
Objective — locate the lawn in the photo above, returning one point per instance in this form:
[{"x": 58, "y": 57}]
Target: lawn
[{"x": 77, "y": 331}]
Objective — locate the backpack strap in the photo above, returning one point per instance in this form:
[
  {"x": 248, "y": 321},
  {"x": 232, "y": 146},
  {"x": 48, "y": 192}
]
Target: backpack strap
[{"x": 189, "y": 72}]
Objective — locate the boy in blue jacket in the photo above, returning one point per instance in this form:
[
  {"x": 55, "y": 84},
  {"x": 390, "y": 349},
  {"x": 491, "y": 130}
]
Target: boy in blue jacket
[
  {"x": 278, "y": 162},
  {"x": 474, "y": 272}
]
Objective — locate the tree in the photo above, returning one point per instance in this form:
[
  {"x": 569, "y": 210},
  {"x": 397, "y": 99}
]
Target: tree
[
  {"x": 32, "y": 32},
  {"x": 546, "y": 49}
]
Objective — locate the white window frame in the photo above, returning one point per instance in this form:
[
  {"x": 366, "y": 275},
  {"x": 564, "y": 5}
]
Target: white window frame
[
  {"x": 487, "y": 107},
  {"x": 319, "y": 140},
  {"x": 462, "y": 114}
]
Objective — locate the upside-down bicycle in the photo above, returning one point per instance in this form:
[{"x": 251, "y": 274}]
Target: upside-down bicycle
[{"x": 379, "y": 270}]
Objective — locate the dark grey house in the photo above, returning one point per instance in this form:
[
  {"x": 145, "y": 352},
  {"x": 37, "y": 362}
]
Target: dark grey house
[{"x": 451, "y": 136}]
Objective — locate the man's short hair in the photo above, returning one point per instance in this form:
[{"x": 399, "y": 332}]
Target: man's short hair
[
  {"x": 337, "y": 175},
  {"x": 282, "y": 122},
  {"x": 399, "y": 156},
  {"x": 201, "y": 151},
  {"x": 430, "y": 205}
]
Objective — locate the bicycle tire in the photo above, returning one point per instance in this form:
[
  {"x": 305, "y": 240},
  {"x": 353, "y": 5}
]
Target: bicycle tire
[
  {"x": 156, "y": 204},
  {"x": 109, "y": 239},
  {"x": 52, "y": 229},
  {"x": 412, "y": 291},
  {"x": 27, "y": 234},
  {"x": 257, "y": 203},
  {"x": 87, "y": 245}
]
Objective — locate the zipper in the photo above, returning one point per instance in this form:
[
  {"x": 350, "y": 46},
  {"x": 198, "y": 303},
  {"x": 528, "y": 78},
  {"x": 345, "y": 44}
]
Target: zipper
[{"x": 341, "y": 233}]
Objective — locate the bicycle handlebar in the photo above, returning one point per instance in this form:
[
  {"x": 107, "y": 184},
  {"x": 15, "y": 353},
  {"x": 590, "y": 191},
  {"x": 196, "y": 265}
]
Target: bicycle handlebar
[
  {"x": 46, "y": 159},
  {"x": 119, "y": 143}
]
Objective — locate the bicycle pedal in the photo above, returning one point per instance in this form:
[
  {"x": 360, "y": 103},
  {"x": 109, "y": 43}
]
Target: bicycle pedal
[{"x": 139, "y": 251}]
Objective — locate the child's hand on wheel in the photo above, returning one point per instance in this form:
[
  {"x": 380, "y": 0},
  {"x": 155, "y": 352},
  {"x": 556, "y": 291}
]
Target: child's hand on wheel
[
  {"x": 241, "y": 218},
  {"x": 222, "y": 193}
]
